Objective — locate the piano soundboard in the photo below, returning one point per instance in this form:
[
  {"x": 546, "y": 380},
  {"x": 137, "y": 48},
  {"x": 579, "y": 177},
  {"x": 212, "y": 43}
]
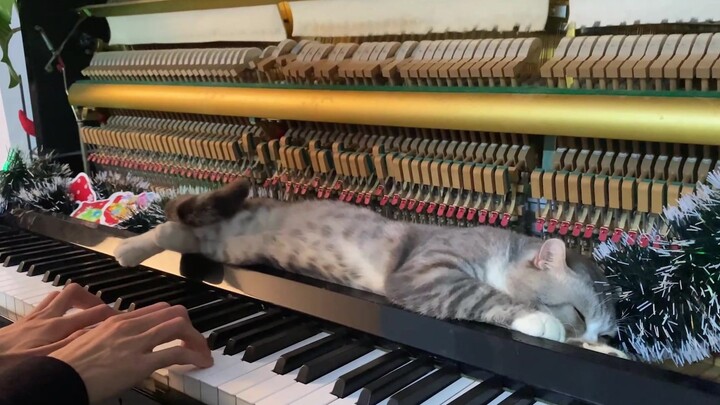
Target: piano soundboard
[{"x": 575, "y": 119}]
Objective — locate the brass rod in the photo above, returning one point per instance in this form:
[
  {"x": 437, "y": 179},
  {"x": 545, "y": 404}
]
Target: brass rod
[
  {"x": 164, "y": 6},
  {"x": 638, "y": 118}
]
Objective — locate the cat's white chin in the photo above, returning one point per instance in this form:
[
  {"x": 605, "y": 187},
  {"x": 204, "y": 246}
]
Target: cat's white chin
[{"x": 540, "y": 324}]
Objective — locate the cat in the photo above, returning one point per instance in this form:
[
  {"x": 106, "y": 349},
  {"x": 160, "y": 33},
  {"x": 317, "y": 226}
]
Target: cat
[{"x": 484, "y": 274}]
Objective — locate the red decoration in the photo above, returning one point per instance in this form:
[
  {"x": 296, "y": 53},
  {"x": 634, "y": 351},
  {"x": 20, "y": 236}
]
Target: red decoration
[
  {"x": 27, "y": 124},
  {"x": 81, "y": 188}
]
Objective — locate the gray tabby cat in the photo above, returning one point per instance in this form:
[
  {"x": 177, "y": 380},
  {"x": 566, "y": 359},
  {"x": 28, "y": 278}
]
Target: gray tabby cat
[{"x": 479, "y": 274}]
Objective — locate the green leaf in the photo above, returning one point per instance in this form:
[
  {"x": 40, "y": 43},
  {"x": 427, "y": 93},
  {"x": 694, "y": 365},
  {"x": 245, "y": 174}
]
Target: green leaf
[
  {"x": 6, "y": 7},
  {"x": 6, "y": 33}
]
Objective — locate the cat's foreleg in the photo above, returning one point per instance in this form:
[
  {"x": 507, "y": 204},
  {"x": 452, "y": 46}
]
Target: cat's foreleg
[
  {"x": 445, "y": 292},
  {"x": 168, "y": 236},
  {"x": 239, "y": 250}
]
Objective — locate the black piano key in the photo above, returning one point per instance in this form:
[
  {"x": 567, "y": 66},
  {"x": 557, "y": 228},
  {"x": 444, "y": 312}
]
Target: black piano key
[
  {"x": 110, "y": 294},
  {"x": 117, "y": 279},
  {"x": 86, "y": 278},
  {"x": 170, "y": 297},
  {"x": 271, "y": 344},
  {"x": 74, "y": 270},
  {"x": 316, "y": 368},
  {"x": 224, "y": 316},
  {"x": 426, "y": 387},
  {"x": 200, "y": 313},
  {"x": 10, "y": 236},
  {"x": 25, "y": 265},
  {"x": 481, "y": 394},
  {"x": 33, "y": 247},
  {"x": 296, "y": 358},
  {"x": 239, "y": 342},
  {"x": 11, "y": 233},
  {"x": 19, "y": 242},
  {"x": 523, "y": 396},
  {"x": 14, "y": 259},
  {"x": 219, "y": 337},
  {"x": 37, "y": 269},
  {"x": 123, "y": 302},
  {"x": 204, "y": 311},
  {"x": 194, "y": 300},
  {"x": 393, "y": 381},
  {"x": 363, "y": 375}
]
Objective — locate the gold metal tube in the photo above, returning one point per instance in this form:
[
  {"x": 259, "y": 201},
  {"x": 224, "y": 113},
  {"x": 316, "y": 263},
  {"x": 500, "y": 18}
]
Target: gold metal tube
[
  {"x": 164, "y": 6},
  {"x": 658, "y": 119}
]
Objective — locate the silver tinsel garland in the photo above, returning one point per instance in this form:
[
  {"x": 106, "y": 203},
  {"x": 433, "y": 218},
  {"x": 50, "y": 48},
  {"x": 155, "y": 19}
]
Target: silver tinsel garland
[
  {"x": 50, "y": 195},
  {"x": 668, "y": 293}
]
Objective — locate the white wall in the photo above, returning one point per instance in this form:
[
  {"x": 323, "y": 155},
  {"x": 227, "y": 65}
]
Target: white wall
[{"x": 11, "y": 132}]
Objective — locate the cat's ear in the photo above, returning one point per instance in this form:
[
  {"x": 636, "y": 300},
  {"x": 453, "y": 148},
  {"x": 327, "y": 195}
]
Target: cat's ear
[{"x": 551, "y": 256}]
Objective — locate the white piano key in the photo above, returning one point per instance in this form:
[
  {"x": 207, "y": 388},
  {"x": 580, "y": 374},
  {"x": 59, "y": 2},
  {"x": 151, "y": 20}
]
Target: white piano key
[
  {"x": 348, "y": 400},
  {"x": 22, "y": 307},
  {"x": 191, "y": 379},
  {"x": 174, "y": 373},
  {"x": 230, "y": 382},
  {"x": 18, "y": 288},
  {"x": 28, "y": 306},
  {"x": 269, "y": 387},
  {"x": 462, "y": 391},
  {"x": 319, "y": 397},
  {"x": 248, "y": 381},
  {"x": 500, "y": 398},
  {"x": 345, "y": 401},
  {"x": 298, "y": 391},
  {"x": 22, "y": 290},
  {"x": 450, "y": 391}
]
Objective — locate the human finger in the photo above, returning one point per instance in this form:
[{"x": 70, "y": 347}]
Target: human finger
[
  {"x": 85, "y": 318},
  {"x": 72, "y": 296},
  {"x": 177, "y": 355},
  {"x": 174, "y": 329},
  {"x": 152, "y": 320},
  {"x": 45, "y": 302},
  {"x": 158, "y": 306}
]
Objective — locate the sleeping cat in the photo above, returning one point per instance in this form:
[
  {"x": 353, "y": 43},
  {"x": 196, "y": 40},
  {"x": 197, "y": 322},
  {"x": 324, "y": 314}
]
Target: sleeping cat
[{"x": 479, "y": 274}]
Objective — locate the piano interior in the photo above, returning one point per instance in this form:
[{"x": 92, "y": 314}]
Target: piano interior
[{"x": 575, "y": 119}]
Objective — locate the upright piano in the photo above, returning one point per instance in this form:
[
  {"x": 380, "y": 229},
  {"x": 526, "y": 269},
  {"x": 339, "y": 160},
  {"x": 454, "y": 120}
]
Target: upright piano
[{"x": 575, "y": 119}]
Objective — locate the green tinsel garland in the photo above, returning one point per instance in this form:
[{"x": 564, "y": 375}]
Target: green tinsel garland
[
  {"x": 42, "y": 184},
  {"x": 23, "y": 175}
]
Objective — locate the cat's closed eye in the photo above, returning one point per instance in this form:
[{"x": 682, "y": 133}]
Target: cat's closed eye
[{"x": 577, "y": 311}]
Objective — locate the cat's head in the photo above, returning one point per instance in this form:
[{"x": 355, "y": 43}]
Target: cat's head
[
  {"x": 574, "y": 289},
  {"x": 210, "y": 207}
]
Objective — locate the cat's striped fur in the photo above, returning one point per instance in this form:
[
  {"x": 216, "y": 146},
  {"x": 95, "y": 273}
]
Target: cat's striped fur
[{"x": 481, "y": 274}]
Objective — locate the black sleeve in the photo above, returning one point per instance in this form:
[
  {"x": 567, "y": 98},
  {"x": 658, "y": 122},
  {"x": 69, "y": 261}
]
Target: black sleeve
[{"x": 40, "y": 381}]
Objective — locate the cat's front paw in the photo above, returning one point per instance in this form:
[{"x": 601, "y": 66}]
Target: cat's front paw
[
  {"x": 541, "y": 325},
  {"x": 133, "y": 251}
]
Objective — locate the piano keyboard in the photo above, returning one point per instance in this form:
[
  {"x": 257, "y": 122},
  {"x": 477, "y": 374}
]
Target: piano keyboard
[{"x": 263, "y": 354}]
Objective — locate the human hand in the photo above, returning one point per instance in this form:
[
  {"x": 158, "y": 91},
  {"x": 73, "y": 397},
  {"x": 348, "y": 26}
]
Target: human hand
[
  {"x": 118, "y": 354},
  {"x": 46, "y": 329}
]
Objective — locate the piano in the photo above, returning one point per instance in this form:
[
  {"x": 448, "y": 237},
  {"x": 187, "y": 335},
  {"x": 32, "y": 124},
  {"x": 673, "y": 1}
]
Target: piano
[
  {"x": 286, "y": 339},
  {"x": 576, "y": 119}
]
